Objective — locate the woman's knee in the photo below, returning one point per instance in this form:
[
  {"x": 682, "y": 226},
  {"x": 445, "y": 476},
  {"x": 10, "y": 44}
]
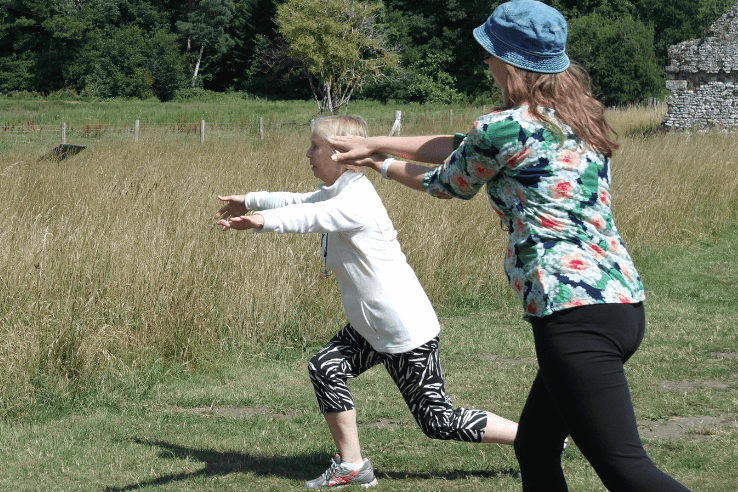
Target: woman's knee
[
  {"x": 436, "y": 431},
  {"x": 317, "y": 369}
]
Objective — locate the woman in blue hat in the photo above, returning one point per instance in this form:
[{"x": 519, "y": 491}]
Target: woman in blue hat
[{"x": 544, "y": 160}]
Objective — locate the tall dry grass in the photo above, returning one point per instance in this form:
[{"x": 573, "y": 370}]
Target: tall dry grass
[
  {"x": 110, "y": 264},
  {"x": 669, "y": 188}
]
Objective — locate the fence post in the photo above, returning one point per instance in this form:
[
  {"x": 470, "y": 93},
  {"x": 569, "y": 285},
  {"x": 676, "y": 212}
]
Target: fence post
[
  {"x": 63, "y": 133},
  {"x": 484, "y": 109},
  {"x": 397, "y": 125},
  {"x": 135, "y": 131},
  {"x": 451, "y": 117},
  {"x": 202, "y": 132},
  {"x": 261, "y": 128}
]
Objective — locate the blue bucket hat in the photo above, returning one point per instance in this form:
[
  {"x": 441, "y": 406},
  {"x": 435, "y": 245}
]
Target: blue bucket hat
[{"x": 526, "y": 34}]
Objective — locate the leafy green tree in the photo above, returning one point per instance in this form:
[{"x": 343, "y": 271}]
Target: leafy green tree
[
  {"x": 165, "y": 63},
  {"x": 619, "y": 56},
  {"x": 32, "y": 57},
  {"x": 206, "y": 26},
  {"x": 675, "y": 21},
  {"x": 438, "y": 51},
  {"x": 426, "y": 81},
  {"x": 118, "y": 70},
  {"x": 338, "y": 44}
]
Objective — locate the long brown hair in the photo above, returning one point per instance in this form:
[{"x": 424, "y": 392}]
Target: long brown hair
[{"x": 568, "y": 93}]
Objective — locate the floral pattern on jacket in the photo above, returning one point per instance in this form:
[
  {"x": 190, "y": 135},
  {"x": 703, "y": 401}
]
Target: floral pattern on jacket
[{"x": 553, "y": 198}]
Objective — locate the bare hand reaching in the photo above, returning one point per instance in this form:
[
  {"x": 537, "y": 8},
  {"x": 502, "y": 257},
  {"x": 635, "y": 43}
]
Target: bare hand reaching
[
  {"x": 233, "y": 208},
  {"x": 242, "y": 223},
  {"x": 353, "y": 149}
]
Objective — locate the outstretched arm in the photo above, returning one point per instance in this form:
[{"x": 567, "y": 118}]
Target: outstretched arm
[
  {"x": 232, "y": 215},
  {"x": 370, "y": 152},
  {"x": 431, "y": 149}
]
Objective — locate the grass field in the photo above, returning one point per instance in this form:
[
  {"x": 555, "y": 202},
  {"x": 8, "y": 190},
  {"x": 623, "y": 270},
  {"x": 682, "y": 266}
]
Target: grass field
[{"x": 141, "y": 348}]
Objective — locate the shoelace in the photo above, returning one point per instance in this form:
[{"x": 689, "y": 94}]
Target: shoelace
[{"x": 332, "y": 471}]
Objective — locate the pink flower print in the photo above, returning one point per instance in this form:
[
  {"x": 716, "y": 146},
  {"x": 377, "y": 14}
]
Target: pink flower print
[
  {"x": 573, "y": 303},
  {"x": 483, "y": 172},
  {"x": 518, "y": 226},
  {"x": 604, "y": 197},
  {"x": 627, "y": 273},
  {"x": 532, "y": 307},
  {"x": 541, "y": 277},
  {"x": 550, "y": 223},
  {"x": 517, "y": 157},
  {"x": 623, "y": 298},
  {"x": 598, "y": 252},
  {"x": 573, "y": 262},
  {"x": 517, "y": 285},
  {"x": 461, "y": 183},
  {"x": 612, "y": 244},
  {"x": 528, "y": 115},
  {"x": 562, "y": 189},
  {"x": 509, "y": 253},
  {"x": 597, "y": 221},
  {"x": 569, "y": 159}
]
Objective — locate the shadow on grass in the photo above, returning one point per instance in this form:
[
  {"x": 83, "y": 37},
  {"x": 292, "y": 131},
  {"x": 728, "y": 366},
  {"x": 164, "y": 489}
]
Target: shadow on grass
[
  {"x": 450, "y": 475},
  {"x": 300, "y": 468},
  {"x": 218, "y": 463}
]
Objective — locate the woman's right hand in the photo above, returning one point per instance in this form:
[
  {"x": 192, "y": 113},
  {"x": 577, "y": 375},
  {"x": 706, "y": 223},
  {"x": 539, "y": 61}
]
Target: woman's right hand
[{"x": 353, "y": 149}]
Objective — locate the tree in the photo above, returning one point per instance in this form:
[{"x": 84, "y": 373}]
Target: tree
[
  {"x": 206, "y": 26},
  {"x": 338, "y": 44},
  {"x": 438, "y": 52},
  {"x": 619, "y": 56}
]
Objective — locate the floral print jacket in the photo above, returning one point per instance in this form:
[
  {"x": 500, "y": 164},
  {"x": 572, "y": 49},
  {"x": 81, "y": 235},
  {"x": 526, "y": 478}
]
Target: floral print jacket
[{"x": 553, "y": 198}]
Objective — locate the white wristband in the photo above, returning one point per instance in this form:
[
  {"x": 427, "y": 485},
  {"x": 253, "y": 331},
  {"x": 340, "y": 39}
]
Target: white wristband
[{"x": 385, "y": 166}]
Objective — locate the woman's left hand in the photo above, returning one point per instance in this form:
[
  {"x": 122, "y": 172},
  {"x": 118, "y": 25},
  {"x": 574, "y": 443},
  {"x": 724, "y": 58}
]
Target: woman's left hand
[
  {"x": 234, "y": 207},
  {"x": 245, "y": 222},
  {"x": 356, "y": 151}
]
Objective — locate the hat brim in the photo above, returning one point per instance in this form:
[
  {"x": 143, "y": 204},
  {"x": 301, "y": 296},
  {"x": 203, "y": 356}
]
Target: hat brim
[{"x": 527, "y": 61}]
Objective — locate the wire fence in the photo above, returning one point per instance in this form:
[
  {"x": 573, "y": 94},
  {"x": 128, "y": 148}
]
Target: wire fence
[{"x": 259, "y": 127}]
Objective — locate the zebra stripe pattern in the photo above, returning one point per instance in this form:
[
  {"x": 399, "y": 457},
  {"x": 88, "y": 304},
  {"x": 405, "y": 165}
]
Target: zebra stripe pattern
[{"x": 417, "y": 374}]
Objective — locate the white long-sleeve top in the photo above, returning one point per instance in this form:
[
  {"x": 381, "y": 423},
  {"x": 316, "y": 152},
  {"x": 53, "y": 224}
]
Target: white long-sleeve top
[{"x": 381, "y": 295}]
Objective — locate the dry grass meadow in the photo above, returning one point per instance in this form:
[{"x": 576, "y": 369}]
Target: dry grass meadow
[{"x": 110, "y": 265}]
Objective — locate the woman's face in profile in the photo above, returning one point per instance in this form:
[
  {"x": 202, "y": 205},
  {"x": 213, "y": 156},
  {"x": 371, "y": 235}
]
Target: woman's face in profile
[{"x": 319, "y": 154}]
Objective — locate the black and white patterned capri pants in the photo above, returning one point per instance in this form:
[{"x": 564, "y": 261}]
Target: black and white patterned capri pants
[{"x": 416, "y": 373}]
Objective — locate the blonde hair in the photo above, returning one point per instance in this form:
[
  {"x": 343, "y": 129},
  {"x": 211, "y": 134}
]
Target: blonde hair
[
  {"x": 568, "y": 93},
  {"x": 338, "y": 126}
]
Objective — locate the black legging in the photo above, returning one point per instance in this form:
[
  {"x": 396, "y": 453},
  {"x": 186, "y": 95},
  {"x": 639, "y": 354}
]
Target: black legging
[{"x": 581, "y": 390}]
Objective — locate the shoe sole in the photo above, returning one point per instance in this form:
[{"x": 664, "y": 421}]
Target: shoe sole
[{"x": 363, "y": 485}]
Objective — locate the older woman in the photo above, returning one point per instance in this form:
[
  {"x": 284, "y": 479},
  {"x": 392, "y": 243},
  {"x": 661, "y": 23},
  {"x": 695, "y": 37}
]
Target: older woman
[
  {"x": 390, "y": 319},
  {"x": 545, "y": 162}
]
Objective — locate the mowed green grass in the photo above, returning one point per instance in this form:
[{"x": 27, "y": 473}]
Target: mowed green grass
[
  {"x": 251, "y": 423},
  {"x": 141, "y": 348}
]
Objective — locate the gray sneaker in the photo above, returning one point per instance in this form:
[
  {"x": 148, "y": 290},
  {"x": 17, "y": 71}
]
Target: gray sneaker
[{"x": 338, "y": 476}]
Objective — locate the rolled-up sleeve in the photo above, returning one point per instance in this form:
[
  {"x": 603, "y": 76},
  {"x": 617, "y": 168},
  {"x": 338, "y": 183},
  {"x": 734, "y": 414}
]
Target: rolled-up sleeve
[{"x": 473, "y": 162}]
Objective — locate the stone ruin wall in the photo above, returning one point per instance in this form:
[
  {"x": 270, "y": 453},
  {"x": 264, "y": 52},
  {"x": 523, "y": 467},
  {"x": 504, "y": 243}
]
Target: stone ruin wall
[{"x": 703, "y": 78}]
